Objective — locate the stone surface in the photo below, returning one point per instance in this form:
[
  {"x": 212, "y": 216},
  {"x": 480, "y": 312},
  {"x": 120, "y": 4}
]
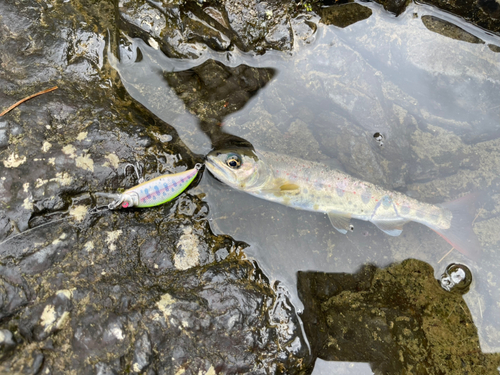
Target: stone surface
[
  {"x": 88, "y": 290},
  {"x": 398, "y": 319}
]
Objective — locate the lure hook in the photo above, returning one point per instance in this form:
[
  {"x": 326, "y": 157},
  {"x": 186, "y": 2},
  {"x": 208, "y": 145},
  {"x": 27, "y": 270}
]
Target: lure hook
[{"x": 137, "y": 169}]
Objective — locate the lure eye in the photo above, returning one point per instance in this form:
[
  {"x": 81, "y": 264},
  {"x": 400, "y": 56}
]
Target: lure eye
[{"x": 233, "y": 161}]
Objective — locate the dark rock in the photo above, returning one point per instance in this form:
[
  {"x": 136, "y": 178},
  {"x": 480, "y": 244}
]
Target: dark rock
[
  {"x": 7, "y": 343},
  {"x": 89, "y": 290},
  {"x": 142, "y": 353},
  {"x": 213, "y": 91},
  {"x": 186, "y": 28},
  {"x": 395, "y": 6},
  {"x": 448, "y": 29},
  {"x": 344, "y": 15},
  {"x": 483, "y": 13},
  {"x": 494, "y": 48},
  {"x": 14, "y": 291}
]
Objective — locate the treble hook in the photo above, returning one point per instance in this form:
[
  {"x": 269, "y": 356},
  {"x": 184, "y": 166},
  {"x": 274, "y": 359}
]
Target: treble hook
[{"x": 137, "y": 169}]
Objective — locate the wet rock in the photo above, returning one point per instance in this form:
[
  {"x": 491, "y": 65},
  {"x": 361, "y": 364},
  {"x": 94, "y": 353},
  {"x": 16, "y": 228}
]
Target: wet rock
[
  {"x": 4, "y": 134},
  {"x": 448, "y": 29},
  {"x": 47, "y": 318},
  {"x": 7, "y": 343},
  {"x": 186, "y": 29},
  {"x": 395, "y": 318},
  {"x": 213, "y": 91},
  {"x": 395, "y": 6},
  {"x": 15, "y": 292},
  {"x": 90, "y": 290},
  {"x": 142, "y": 353},
  {"x": 494, "y": 48},
  {"x": 344, "y": 15},
  {"x": 487, "y": 18}
]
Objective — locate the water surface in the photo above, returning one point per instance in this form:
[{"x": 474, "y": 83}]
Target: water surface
[{"x": 433, "y": 98}]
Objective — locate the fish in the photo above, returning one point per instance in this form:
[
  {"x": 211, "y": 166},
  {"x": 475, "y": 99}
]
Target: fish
[{"x": 313, "y": 186}]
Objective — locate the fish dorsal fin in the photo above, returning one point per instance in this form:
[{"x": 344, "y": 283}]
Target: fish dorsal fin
[
  {"x": 392, "y": 228},
  {"x": 341, "y": 222}
]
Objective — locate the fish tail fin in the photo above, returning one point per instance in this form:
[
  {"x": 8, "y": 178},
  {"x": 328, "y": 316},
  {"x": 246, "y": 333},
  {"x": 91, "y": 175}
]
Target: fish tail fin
[{"x": 460, "y": 234}]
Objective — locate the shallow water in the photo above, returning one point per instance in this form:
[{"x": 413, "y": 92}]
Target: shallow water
[{"x": 434, "y": 99}]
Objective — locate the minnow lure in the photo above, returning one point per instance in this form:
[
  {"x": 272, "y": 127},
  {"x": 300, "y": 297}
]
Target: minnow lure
[{"x": 154, "y": 192}]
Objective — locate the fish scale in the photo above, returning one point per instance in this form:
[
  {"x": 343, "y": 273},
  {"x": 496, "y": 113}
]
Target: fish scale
[{"x": 338, "y": 192}]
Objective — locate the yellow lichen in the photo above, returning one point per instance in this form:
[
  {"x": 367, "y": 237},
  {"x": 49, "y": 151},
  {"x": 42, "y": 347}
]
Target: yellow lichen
[
  {"x": 85, "y": 162},
  {"x": 78, "y": 212},
  {"x": 81, "y": 136},
  {"x": 164, "y": 304},
  {"x": 63, "y": 178},
  {"x": 46, "y": 146},
  {"x": 69, "y": 150},
  {"x": 113, "y": 160},
  {"x": 28, "y": 204},
  {"x": 112, "y": 237},
  {"x": 188, "y": 254},
  {"x": 14, "y": 161}
]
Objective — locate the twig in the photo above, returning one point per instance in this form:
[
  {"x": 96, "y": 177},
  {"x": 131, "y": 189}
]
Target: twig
[
  {"x": 445, "y": 255},
  {"x": 479, "y": 212},
  {"x": 28, "y": 98}
]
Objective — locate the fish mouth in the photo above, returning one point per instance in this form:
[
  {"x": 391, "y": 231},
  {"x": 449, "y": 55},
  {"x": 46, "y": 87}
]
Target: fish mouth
[{"x": 219, "y": 171}]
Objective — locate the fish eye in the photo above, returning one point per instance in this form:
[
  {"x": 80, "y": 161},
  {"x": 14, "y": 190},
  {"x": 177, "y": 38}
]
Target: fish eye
[{"x": 233, "y": 161}]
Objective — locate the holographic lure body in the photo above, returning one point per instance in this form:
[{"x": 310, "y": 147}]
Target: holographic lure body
[{"x": 154, "y": 192}]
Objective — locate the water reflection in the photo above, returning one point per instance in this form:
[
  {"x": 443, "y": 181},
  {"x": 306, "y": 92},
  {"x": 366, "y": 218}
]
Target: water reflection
[
  {"x": 456, "y": 278},
  {"x": 212, "y": 91},
  {"x": 434, "y": 99}
]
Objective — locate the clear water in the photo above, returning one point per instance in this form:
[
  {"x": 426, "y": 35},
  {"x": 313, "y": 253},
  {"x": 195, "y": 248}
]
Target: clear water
[{"x": 434, "y": 99}]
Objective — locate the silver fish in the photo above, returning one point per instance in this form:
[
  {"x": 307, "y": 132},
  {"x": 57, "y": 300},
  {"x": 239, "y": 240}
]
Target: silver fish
[{"x": 312, "y": 186}]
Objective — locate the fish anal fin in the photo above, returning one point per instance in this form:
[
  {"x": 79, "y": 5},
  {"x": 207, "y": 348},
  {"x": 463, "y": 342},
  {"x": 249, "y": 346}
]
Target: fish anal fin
[
  {"x": 341, "y": 222},
  {"x": 392, "y": 227}
]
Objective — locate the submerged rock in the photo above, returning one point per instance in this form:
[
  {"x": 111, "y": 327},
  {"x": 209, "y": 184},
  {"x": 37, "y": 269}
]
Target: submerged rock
[{"x": 448, "y": 29}]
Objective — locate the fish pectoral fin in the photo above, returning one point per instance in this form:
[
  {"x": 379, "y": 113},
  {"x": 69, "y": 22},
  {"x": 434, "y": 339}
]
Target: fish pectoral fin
[
  {"x": 392, "y": 228},
  {"x": 290, "y": 188},
  {"x": 284, "y": 188},
  {"x": 341, "y": 222}
]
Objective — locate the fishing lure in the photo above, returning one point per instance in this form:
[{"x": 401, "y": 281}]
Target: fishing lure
[{"x": 154, "y": 192}]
